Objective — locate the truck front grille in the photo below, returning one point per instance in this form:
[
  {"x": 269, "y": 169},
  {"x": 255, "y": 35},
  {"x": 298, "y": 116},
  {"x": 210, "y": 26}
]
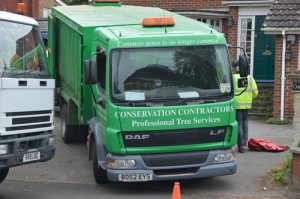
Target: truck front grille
[
  {"x": 175, "y": 159},
  {"x": 27, "y": 145},
  {"x": 16, "y": 128},
  {"x": 174, "y": 137},
  {"x": 182, "y": 171},
  {"x": 28, "y": 120},
  {"x": 9, "y": 114}
]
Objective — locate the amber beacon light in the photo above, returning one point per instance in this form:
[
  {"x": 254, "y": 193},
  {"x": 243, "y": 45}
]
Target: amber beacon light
[
  {"x": 161, "y": 21},
  {"x": 21, "y": 8}
]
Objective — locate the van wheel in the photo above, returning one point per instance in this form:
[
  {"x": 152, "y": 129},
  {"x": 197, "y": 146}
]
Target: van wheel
[
  {"x": 3, "y": 174},
  {"x": 100, "y": 174},
  {"x": 65, "y": 128}
]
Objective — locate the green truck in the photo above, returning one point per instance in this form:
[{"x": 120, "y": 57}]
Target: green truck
[{"x": 151, "y": 91}]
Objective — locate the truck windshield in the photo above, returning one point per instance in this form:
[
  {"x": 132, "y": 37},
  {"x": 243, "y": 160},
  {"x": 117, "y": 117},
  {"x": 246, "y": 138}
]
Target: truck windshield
[
  {"x": 21, "y": 51},
  {"x": 171, "y": 73}
]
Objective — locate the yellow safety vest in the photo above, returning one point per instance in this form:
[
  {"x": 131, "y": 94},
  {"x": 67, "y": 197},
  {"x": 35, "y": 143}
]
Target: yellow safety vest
[{"x": 244, "y": 101}]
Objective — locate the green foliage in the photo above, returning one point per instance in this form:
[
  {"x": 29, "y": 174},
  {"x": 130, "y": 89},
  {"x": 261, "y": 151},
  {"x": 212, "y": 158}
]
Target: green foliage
[
  {"x": 281, "y": 173},
  {"x": 75, "y": 2},
  {"x": 275, "y": 121}
]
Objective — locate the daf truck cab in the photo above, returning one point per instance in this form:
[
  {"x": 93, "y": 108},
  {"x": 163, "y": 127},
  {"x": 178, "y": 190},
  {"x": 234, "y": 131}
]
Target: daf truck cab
[
  {"x": 26, "y": 94},
  {"x": 155, "y": 90}
]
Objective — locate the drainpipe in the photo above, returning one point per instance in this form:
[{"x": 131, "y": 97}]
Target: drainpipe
[{"x": 282, "y": 76}]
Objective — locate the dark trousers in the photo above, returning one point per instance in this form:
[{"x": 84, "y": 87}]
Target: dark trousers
[{"x": 242, "y": 119}]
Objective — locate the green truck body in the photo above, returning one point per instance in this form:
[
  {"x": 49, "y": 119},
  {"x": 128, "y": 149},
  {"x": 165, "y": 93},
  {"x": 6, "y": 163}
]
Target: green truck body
[{"x": 143, "y": 124}]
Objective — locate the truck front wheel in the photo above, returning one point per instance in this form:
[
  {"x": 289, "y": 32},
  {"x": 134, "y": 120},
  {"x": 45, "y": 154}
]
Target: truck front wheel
[
  {"x": 99, "y": 173},
  {"x": 65, "y": 128},
  {"x": 3, "y": 174}
]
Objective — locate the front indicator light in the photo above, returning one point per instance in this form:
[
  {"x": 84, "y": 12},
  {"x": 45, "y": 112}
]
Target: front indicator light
[
  {"x": 224, "y": 157},
  {"x": 51, "y": 141},
  {"x": 3, "y": 149},
  {"x": 121, "y": 164}
]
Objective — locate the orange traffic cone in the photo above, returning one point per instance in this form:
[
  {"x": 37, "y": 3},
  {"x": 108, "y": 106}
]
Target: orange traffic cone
[{"x": 176, "y": 191}]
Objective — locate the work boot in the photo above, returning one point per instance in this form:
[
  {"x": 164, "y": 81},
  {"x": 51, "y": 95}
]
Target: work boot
[{"x": 241, "y": 149}]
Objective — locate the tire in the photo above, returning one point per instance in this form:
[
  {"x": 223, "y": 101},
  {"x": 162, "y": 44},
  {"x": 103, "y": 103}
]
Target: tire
[
  {"x": 66, "y": 129},
  {"x": 71, "y": 133},
  {"x": 100, "y": 175},
  {"x": 82, "y": 133},
  {"x": 3, "y": 174}
]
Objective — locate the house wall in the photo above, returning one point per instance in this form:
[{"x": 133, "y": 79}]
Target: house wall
[
  {"x": 31, "y": 9},
  {"x": 291, "y": 66},
  {"x": 45, "y": 4},
  {"x": 231, "y": 34},
  {"x": 175, "y": 4},
  {"x": 9, "y": 5}
]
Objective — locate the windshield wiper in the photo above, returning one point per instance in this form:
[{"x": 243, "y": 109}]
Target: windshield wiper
[
  {"x": 198, "y": 100},
  {"x": 4, "y": 69},
  {"x": 5, "y": 65},
  {"x": 140, "y": 103},
  {"x": 18, "y": 74},
  {"x": 134, "y": 103},
  {"x": 174, "y": 101},
  {"x": 216, "y": 98}
]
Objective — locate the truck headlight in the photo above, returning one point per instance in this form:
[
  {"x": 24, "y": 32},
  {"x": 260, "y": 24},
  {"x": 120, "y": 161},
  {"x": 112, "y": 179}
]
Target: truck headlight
[
  {"x": 224, "y": 157},
  {"x": 3, "y": 149},
  {"x": 121, "y": 164}
]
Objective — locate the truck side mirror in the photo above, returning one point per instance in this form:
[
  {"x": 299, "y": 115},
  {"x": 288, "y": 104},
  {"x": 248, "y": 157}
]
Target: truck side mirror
[
  {"x": 90, "y": 72},
  {"x": 243, "y": 62},
  {"x": 243, "y": 66}
]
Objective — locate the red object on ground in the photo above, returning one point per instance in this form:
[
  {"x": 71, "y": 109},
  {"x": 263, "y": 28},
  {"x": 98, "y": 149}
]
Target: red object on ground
[{"x": 259, "y": 144}]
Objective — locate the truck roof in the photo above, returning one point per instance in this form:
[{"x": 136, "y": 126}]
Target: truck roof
[
  {"x": 127, "y": 20},
  {"x": 7, "y": 16}
]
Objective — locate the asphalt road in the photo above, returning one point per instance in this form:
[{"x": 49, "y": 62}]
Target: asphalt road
[{"x": 69, "y": 175}]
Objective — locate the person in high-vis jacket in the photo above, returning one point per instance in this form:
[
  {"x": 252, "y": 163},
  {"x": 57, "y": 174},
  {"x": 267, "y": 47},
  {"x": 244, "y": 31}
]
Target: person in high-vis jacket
[{"x": 244, "y": 97}]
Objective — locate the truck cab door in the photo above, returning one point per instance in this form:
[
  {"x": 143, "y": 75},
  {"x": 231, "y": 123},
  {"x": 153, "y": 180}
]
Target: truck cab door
[{"x": 101, "y": 76}]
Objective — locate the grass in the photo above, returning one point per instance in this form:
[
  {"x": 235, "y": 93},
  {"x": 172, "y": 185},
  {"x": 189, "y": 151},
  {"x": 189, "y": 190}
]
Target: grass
[
  {"x": 277, "y": 122},
  {"x": 280, "y": 173}
]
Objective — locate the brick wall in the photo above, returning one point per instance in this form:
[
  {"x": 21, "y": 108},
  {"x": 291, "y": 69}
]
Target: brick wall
[
  {"x": 32, "y": 7},
  {"x": 296, "y": 168},
  {"x": 296, "y": 119},
  {"x": 176, "y": 4},
  {"x": 231, "y": 33},
  {"x": 45, "y": 4},
  {"x": 291, "y": 66},
  {"x": 11, "y": 6}
]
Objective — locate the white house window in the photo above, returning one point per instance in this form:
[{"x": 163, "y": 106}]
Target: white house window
[
  {"x": 246, "y": 33},
  {"x": 217, "y": 23},
  {"x": 46, "y": 12},
  {"x": 299, "y": 53},
  {"x": 245, "y": 36}
]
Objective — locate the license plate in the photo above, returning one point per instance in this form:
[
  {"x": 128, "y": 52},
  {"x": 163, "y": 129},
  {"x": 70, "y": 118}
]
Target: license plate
[
  {"x": 139, "y": 177},
  {"x": 28, "y": 157}
]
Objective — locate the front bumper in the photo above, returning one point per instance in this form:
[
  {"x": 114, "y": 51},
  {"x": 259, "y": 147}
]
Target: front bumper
[
  {"x": 208, "y": 168},
  {"x": 20, "y": 146}
]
